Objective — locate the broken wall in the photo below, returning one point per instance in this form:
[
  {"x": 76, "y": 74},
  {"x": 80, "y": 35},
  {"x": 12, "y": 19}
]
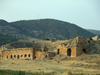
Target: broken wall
[{"x": 95, "y": 38}]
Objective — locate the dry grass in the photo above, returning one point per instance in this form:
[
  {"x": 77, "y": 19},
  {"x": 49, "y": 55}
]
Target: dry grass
[{"x": 61, "y": 68}]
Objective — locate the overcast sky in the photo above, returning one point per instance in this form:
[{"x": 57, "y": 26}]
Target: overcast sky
[{"x": 84, "y": 13}]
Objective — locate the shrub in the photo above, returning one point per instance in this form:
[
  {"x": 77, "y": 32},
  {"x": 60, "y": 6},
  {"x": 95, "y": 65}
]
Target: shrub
[
  {"x": 90, "y": 38},
  {"x": 47, "y": 39},
  {"x": 21, "y": 73}
]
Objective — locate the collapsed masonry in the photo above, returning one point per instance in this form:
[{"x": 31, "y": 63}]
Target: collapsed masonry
[{"x": 44, "y": 49}]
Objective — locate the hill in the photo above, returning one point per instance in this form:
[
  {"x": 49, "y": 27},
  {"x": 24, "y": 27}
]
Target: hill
[
  {"x": 6, "y": 39},
  {"x": 97, "y": 32},
  {"x": 9, "y": 31},
  {"x": 42, "y": 29}
]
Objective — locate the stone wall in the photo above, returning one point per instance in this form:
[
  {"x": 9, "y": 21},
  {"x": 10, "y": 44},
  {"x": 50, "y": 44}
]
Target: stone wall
[
  {"x": 73, "y": 51},
  {"x": 95, "y": 38},
  {"x": 51, "y": 54},
  {"x": 18, "y": 53},
  {"x": 44, "y": 49},
  {"x": 70, "y": 51},
  {"x": 82, "y": 42},
  {"x": 40, "y": 54}
]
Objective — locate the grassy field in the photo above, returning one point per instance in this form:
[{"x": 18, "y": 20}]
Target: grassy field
[{"x": 87, "y": 64}]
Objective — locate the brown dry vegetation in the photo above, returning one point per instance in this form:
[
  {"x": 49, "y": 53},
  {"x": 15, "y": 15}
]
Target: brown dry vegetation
[{"x": 86, "y": 63}]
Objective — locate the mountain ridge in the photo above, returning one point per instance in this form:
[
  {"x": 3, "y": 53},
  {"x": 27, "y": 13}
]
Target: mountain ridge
[{"x": 45, "y": 28}]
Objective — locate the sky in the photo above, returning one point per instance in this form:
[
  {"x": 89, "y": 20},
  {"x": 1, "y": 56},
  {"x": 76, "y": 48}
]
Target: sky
[{"x": 83, "y": 13}]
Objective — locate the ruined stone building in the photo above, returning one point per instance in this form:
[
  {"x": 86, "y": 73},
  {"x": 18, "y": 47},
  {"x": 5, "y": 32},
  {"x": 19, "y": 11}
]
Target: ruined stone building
[
  {"x": 73, "y": 47},
  {"x": 15, "y": 52},
  {"x": 26, "y": 50}
]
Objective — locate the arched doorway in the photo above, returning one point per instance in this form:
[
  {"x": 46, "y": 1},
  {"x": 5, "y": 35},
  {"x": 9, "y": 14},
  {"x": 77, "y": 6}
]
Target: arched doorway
[
  {"x": 58, "y": 51},
  {"x": 35, "y": 57},
  {"x": 69, "y": 52},
  {"x": 45, "y": 56},
  {"x": 18, "y": 56},
  {"x": 84, "y": 51},
  {"x": 11, "y": 56}
]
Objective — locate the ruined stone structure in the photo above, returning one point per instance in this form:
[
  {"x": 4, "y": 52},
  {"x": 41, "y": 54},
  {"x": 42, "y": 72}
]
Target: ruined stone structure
[
  {"x": 25, "y": 53},
  {"x": 18, "y": 53},
  {"x": 73, "y": 47}
]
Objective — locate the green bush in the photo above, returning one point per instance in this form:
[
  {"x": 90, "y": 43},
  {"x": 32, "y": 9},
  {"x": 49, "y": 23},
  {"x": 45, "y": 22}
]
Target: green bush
[
  {"x": 47, "y": 39},
  {"x": 21, "y": 73},
  {"x": 90, "y": 38}
]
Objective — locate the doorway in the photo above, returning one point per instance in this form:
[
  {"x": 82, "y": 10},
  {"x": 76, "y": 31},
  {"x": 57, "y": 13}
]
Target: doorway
[
  {"x": 11, "y": 56},
  {"x": 69, "y": 52},
  {"x": 58, "y": 51},
  {"x": 84, "y": 51},
  {"x": 18, "y": 56},
  {"x": 45, "y": 56}
]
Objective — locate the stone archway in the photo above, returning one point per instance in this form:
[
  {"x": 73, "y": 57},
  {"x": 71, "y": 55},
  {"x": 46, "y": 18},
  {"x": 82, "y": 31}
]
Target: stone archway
[
  {"x": 58, "y": 51},
  {"x": 45, "y": 56},
  {"x": 69, "y": 52},
  {"x": 11, "y": 56},
  {"x": 35, "y": 57},
  {"x": 84, "y": 51},
  {"x": 18, "y": 56}
]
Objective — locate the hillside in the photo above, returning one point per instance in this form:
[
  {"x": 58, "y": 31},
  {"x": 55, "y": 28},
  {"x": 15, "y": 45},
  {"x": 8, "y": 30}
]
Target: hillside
[
  {"x": 94, "y": 31},
  {"x": 6, "y": 39},
  {"x": 42, "y": 29},
  {"x": 7, "y": 30},
  {"x": 97, "y": 32}
]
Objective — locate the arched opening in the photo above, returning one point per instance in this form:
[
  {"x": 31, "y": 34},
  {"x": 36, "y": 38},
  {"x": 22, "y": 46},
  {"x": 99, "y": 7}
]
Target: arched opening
[
  {"x": 7, "y": 57},
  {"x": 21, "y": 55},
  {"x": 18, "y": 56},
  {"x": 35, "y": 56},
  {"x": 58, "y": 51},
  {"x": 45, "y": 56},
  {"x": 11, "y": 56},
  {"x": 84, "y": 51},
  {"x": 69, "y": 52},
  {"x": 25, "y": 55},
  {"x": 88, "y": 41},
  {"x": 14, "y": 56},
  {"x": 29, "y": 55}
]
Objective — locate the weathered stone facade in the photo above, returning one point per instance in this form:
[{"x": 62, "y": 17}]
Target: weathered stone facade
[
  {"x": 18, "y": 53},
  {"x": 25, "y": 53},
  {"x": 73, "y": 47}
]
